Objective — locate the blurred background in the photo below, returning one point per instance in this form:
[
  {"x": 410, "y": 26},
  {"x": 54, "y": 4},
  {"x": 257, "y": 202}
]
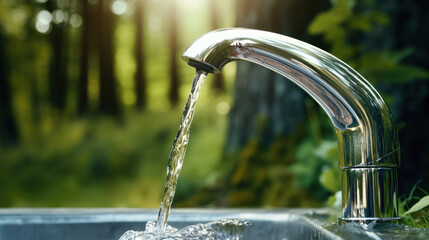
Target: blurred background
[{"x": 91, "y": 94}]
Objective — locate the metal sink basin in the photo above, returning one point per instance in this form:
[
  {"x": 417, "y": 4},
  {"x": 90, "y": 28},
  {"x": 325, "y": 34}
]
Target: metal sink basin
[{"x": 106, "y": 224}]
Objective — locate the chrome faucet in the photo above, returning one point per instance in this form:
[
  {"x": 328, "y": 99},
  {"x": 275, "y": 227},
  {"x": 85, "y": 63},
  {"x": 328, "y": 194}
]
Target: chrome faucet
[{"x": 366, "y": 132}]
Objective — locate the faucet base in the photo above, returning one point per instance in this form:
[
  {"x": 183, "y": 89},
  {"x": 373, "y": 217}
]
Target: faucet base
[
  {"x": 369, "y": 220},
  {"x": 369, "y": 193}
]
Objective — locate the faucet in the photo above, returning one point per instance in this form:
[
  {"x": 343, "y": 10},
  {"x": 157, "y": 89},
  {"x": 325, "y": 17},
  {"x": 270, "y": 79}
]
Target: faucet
[{"x": 366, "y": 132}]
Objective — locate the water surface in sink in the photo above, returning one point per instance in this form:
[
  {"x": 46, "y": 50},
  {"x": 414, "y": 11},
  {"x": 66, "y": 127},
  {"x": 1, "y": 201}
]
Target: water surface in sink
[
  {"x": 269, "y": 224},
  {"x": 103, "y": 224}
]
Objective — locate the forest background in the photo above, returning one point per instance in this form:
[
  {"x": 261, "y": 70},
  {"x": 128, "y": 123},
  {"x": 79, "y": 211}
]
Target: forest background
[{"x": 91, "y": 93}]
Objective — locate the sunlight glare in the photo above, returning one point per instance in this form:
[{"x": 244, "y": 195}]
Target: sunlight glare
[
  {"x": 222, "y": 108},
  {"x": 119, "y": 7},
  {"x": 42, "y": 28},
  {"x": 43, "y": 21},
  {"x": 44, "y": 17}
]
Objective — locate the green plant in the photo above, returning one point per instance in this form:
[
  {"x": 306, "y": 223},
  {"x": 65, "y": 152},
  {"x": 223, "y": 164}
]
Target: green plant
[
  {"x": 418, "y": 214},
  {"x": 345, "y": 25},
  {"x": 317, "y": 156}
]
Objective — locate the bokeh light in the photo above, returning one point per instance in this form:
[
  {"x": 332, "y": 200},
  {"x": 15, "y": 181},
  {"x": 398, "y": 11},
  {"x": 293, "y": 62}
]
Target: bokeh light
[
  {"x": 222, "y": 108},
  {"x": 119, "y": 7},
  {"x": 59, "y": 16},
  {"x": 75, "y": 20},
  {"x": 43, "y": 21}
]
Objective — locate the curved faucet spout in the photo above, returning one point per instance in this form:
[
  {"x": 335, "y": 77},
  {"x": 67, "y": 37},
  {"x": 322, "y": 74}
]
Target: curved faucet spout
[{"x": 366, "y": 131}]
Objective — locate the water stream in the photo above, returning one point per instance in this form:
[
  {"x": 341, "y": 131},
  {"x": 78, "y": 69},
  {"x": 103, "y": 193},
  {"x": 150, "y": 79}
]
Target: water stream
[
  {"x": 178, "y": 150},
  {"x": 220, "y": 229}
]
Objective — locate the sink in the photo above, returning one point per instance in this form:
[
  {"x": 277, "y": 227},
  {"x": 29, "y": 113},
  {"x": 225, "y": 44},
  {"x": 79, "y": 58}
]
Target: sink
[
  {"x": 90, "y": 224},
  {"x": 93, "y": 224}
]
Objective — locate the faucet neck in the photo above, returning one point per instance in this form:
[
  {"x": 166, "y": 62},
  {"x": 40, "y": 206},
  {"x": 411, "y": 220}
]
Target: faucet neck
[{"x": 365, "y": 127}]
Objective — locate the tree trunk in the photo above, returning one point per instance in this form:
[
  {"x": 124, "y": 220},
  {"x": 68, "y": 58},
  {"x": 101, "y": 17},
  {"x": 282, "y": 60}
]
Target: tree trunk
[
  {"x": 266, "y": 121},
  {"x": 82, "y": 106},
  {"x": 259, "y": 92},
  {"x": 140, "y": 77},
  {"x": 108, "y": 100},
  {"x": 174, "y": 74},
  {"x": 58, "y": 65},
  {"x": 218, "y": 83},
  {"x": 8, "y": 128}
]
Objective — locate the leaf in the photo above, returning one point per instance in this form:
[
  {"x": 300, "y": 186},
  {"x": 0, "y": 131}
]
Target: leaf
[
  {"x": 361, "y": 23},
  {"x": 327, "y": 150},
  {"x": 387, "y": 66},
  {"x": 330, "y": 179},
  {"x": 422, "y": 203},
  {"x": 380, "y": 18},
  {"x": 406, "y": 73},
  {"x": 326, "y": 22},
  {"x": 399, "y": 55},
  {"x": 305, "y": 150}
]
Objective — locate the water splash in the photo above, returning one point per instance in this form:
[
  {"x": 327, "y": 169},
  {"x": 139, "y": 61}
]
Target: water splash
[
  {"x": 178, "y": 150},
  {"x": 231, "y": 229}
]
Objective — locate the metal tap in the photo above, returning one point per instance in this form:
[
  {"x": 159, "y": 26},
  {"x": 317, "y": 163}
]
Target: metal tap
[{"x": 366, "y": 131}]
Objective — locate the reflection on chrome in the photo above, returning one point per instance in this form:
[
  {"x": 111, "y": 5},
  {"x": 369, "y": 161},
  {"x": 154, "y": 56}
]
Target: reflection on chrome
[{"x": 366, "y": 131}]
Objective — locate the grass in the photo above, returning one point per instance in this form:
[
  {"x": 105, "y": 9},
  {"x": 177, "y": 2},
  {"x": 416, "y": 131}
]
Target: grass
[{"x": 414, "y": 209}]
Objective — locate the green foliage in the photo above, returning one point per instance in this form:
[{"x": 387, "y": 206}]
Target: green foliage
[
  {"x": 422, "y": 203},
  {"x": 317, "y": 164},
  {"x": 418, "y": 214},
  {"x": 316, "y": 157},
  {"x": 307, "y": 166},
  {"x": 327, "y": 152},
  {"x": 329, "y": 24},
  {"x": 100, "y": 163},
  {"x": 388, "y": 67},
  {"x": 263, "y": 176},
  {"x": 63, "y": 161},
  {"x": 14, "y": 16},
  {"x": 340, "y": 27}
]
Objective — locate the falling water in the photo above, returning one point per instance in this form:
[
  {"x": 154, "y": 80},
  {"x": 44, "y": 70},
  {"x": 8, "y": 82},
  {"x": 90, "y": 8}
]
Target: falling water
[
  {"x": 178, "y": 150},
  {"x": 220, "y": 229}
]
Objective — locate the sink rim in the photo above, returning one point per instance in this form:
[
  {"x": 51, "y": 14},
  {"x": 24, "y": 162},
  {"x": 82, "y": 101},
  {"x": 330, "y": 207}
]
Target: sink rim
[
  {"x": 320, "y": 221},
  {"x": 187, "y": 216},
  {"x": 99, "y": 215}
]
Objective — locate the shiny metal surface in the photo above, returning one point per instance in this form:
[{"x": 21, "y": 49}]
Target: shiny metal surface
[
  {"x": 366, "y": 131},
  {"x": 369, "y": 192}
]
